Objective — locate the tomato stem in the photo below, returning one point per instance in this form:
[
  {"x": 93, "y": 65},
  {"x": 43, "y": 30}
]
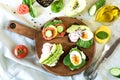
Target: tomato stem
[{"x": 20, "y": 51}]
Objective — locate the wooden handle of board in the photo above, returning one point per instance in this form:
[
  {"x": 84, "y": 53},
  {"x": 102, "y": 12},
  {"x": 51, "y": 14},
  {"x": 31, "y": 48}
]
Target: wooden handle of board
[{"x": 21, "y": 29}]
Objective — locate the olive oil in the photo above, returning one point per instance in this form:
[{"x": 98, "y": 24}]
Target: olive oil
[{"x": 107, "y": 13}]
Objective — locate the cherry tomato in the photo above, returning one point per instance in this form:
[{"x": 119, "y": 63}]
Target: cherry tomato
[
  {"x": 20, "y": 51},
  {"x": 61, "y": 34}
]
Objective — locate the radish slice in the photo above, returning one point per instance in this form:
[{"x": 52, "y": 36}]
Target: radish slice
[{"x": 74, "y": 36}]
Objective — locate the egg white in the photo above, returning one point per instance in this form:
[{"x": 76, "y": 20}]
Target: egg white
[
  {"x": 78, "y": 55},
  {"x": 89, "y": 34}
]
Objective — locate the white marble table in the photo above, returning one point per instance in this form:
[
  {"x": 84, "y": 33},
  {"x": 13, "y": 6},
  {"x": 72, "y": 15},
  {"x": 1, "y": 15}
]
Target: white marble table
[{"x": 29, "y": 68}]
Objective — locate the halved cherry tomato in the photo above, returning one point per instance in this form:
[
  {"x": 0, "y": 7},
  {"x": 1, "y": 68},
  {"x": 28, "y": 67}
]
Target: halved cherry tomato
[
  {"x": 62, "y": 34},
  {"x": 52, "y": 29},
  {"x": 20, "y": 51},
  {"x": 23, "y": 9}
]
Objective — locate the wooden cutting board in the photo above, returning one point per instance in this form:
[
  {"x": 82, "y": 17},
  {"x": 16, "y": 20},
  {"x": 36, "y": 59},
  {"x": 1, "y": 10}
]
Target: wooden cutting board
[{"x": 60, "y": 68}]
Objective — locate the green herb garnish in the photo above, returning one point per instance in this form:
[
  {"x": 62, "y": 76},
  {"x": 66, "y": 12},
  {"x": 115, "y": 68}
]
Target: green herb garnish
[
  {"x": 57, "y": 6},
  {"x": 102, "y": 35}
]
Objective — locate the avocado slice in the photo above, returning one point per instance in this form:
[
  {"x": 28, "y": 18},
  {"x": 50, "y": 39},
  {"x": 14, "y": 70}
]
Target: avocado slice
[
  {"x": 53, "y": 48},
  {"x": 76, "y": 27},
  {"x": 75, "y": 7},
  {"x": 55, "y": 55},
  {"x": 48, "y": 59}
]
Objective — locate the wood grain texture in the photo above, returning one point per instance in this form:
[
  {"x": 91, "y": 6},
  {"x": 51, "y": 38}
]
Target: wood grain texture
[{"x": 21, "y": 29}]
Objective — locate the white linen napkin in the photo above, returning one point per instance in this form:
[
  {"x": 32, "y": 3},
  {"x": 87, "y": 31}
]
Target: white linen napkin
[{"x": 28, "y": 68}]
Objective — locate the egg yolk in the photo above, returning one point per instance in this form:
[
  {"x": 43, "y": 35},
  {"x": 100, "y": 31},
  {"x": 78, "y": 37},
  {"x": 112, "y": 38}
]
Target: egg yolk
[
  {"x": 84, "y": 35},
  {"x": 75, "y": 59}
]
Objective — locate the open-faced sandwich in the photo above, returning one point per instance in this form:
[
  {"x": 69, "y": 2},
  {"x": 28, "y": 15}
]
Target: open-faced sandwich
[
  {"x": 81, "y": 34},
  {"x": 75, "y": 59},
  {"x": 52, "y": 29},
  {"x": 51, "y": 54}
]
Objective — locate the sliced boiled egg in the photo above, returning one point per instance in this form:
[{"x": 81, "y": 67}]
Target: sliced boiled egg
[
  {"x": 75, "y": 58},
  {"x": 83, "y": 55},
  {"x": 86, "y": 35}
]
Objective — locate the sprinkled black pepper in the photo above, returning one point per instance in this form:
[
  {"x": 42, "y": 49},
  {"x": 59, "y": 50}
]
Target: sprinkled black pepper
[
  {"x": 50, "y": 13},
  {"x": 56, "y": 18},
  {"x": 81, "y": 19},
  {"x": 44, "y": 3},
  {"x": 14, "y": 12},
  {"x": 35, "y": 22},
  {"x": 32, "y": 19}
]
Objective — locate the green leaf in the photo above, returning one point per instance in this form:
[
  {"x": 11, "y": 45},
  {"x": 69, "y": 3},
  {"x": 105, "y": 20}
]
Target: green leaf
[
  {"x": 33, "y": 11},
  {"x": 57, "y": 6},
  {"x": 102, "y": 35},
  {"x": 31, "y": 2},
  {"x": 100, "y": 3},
  {"x": 52, "y": 23},
  {"x": 66, "y": 60},
  {"x": 48, "y": 24},
  {"x": 28, "y": 2},
  {"x": 25, "y": 2},
  {"x": 75, "y": 49},
  {"x": 57, "y": 21},
  {"x": 84, "y": 44}
]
